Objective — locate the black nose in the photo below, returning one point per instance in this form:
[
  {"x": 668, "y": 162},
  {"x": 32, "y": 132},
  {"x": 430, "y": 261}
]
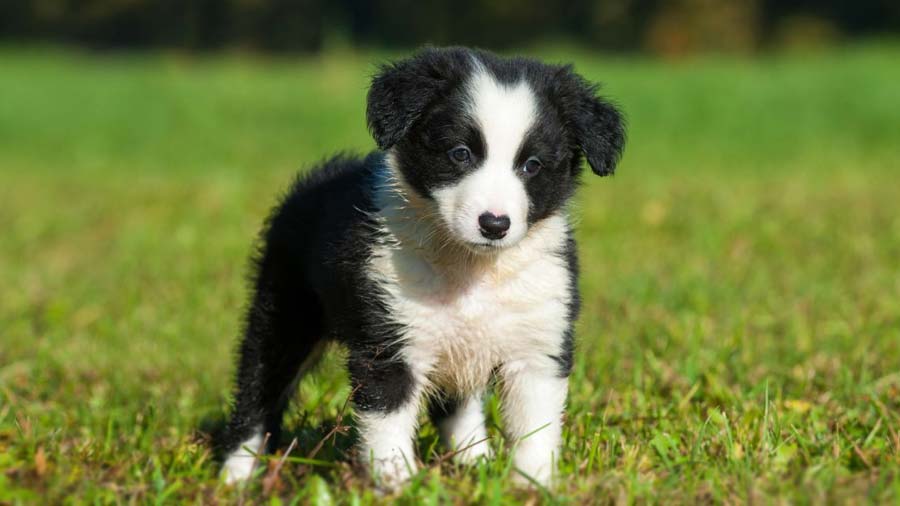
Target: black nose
[{"x": 493, "y": 226}]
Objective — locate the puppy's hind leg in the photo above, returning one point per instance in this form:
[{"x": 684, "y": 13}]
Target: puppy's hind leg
[{"x": 282, "y": 338}]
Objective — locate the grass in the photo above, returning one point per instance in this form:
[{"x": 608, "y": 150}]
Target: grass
[{"x": 741, "y": 334}]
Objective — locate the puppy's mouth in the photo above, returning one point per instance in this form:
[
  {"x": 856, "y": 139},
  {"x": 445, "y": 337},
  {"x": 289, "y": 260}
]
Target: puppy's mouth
[{"x": 484, "y": 247}]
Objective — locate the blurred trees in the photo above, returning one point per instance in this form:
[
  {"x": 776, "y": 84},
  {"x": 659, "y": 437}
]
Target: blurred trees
[
  {"x": 280, "y": 25},
  {"x": 668, "y": 27}
]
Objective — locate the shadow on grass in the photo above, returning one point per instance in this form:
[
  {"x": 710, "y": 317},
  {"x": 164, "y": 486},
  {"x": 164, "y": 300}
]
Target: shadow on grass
[
  {"x": 328, "y": 445},
  {"x": 331, "y": 440}
]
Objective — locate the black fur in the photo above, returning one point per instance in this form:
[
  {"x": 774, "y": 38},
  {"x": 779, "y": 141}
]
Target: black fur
[
  {"x": 311, "y": 283},
  {"x": 566, "y": 355},
  {"x": 597, "y": 126},
  {"x": 402, "y": 91},
  {"x": 310, "y": 286}
]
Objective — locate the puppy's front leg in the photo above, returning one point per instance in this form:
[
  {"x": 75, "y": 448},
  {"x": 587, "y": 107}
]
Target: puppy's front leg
[
  {"x": 386, "y": 444},
  {"x": 386, "y": 397},
  {"x": 462, "y": 427},
  {"x": 534, "y": 396}
]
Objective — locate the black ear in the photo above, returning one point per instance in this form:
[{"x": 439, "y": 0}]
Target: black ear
[
  {"x": 402, "y": 91},
  {"x": 596, "y": 125}
]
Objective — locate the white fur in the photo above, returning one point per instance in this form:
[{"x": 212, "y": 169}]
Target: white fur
[
  {"x": 464, "y": 431},
  {"x": 534, "y": 397},
  {"x": 386, "y": 443},
  {"x": 465, "y": 314},
  {"x": 240, "y": 464},
  {"x": 504, "y": 115}
]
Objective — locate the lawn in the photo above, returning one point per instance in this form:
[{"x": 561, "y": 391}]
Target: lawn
[{"x": 741, "y": 334}]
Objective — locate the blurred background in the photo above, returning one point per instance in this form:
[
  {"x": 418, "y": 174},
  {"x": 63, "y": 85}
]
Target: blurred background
[
  {"x": 740, "y": 338},
  {"x": 672, "y": 27}
]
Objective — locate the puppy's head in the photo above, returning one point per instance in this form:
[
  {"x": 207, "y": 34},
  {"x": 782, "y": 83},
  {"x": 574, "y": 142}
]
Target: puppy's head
[{"x": 493, "y": 144}]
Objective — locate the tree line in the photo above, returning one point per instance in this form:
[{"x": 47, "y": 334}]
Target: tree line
[{"x": 671, "y": 26}]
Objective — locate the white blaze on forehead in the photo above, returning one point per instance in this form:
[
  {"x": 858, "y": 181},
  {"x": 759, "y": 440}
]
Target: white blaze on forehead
[{"x": 504, "y": 112}]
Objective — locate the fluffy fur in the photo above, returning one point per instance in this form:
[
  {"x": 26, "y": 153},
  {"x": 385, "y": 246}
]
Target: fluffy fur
[{"x": 443, "y": 261}]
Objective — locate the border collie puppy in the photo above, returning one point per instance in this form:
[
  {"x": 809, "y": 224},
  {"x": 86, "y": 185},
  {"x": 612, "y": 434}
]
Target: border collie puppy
[{"x": 442, "y": 262}]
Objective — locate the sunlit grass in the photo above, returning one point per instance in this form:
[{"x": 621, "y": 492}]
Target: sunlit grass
[{"x": 741, "y": 332}]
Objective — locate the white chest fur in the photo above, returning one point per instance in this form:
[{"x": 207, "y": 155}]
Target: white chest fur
[{"x": 464, "y": 315}]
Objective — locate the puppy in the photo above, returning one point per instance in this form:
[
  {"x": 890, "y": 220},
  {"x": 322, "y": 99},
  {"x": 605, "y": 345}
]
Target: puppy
[{"x": 443, "y": 261}]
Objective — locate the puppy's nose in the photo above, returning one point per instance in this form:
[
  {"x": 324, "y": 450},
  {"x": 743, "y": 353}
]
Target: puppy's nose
[{"x": 493, "y": 226}]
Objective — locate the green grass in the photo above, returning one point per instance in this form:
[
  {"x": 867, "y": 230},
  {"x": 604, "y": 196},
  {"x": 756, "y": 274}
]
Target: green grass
[{"x": 741, "y": 334}]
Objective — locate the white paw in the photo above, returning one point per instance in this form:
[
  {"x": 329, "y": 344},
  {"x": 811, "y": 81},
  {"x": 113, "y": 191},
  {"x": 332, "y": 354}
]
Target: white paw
[
  {"x": 238, "y": 469},
  {"x": 386, "y": 445},
  {"x": 534, "y": 464},
  {"x": 391, "y": 474},
  {"x": 240, "y": 464}
]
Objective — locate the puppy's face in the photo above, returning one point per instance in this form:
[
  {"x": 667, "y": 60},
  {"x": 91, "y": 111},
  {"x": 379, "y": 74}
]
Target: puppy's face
[{"x": 494, "y": 145}]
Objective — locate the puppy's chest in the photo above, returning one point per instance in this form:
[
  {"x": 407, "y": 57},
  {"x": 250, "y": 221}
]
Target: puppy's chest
[{"x": 457, "y": 330}]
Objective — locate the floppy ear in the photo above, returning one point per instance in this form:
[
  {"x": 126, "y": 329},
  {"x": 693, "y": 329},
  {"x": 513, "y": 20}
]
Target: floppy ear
[
  {"x": 402, "y": 91},
  {"x": 596, "y": 125}
]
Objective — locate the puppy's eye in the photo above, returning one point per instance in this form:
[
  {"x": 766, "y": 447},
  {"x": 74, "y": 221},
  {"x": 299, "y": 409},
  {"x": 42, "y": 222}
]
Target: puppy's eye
[
  {"x": 460, "y": 154},
  {"x": 532, "y": 166}
]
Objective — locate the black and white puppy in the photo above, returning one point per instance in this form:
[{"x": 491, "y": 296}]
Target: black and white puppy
[{"x": 441, "y": 262}]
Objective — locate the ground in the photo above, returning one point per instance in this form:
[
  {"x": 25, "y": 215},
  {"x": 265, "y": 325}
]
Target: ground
[{"x": 741, "y": 331}]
